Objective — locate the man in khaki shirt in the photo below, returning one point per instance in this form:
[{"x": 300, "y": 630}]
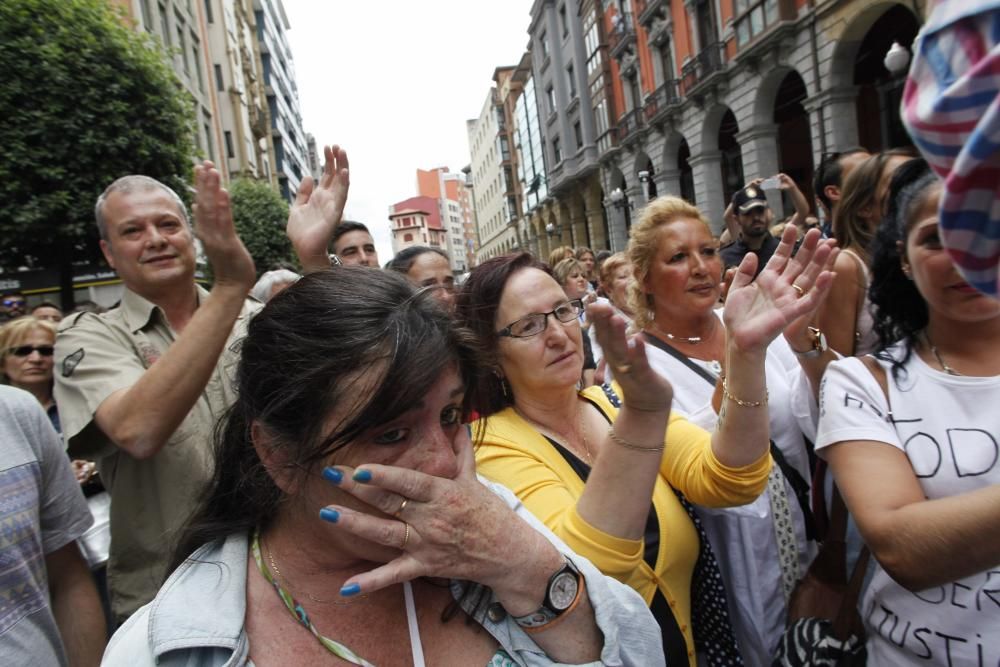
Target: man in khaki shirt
[{"x": 141, "y": 387}]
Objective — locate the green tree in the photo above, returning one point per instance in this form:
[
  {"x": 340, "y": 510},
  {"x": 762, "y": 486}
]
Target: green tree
[
  {"x": 84, "y": 99},
  {"x": 260, "y": 215}
]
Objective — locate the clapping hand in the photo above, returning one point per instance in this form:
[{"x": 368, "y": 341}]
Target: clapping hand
[
  {"x": 789, "y": 287},
  {"x": 213, "y": 216},
  {"x": 318, "y": 209},
  {"x": 642, "y": 387}
]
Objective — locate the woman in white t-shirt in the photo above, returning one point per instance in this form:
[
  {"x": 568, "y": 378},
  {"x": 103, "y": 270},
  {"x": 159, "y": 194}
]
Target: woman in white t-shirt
[{"x": 919, "y": 468}]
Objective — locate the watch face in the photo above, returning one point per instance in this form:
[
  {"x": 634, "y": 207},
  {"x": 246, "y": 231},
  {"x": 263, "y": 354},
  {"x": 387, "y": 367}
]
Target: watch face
[{"x": 563, "y": 590}]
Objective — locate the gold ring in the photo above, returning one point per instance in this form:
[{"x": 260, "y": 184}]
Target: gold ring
[
  {"x": 624, "y": 369},
  {"x": 401, "y": 508},
  {"x": 406, "y": 537},
  {"x": 798, "y": 289}
]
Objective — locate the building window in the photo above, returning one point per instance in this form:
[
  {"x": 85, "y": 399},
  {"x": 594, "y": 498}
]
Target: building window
[
  {"x": 556, "y": 151},
  {"x": 164, "y": 28},
  {"x": 147, "y": 18},
  {"x": 592, "y": 48},
  {"x": 196, "y": 56},
  {"x": 571, "y": 75},
  {"x": 208, "y": 135},
  {"x": 543, "y": 43},
  {"x": 208, "y": 11},
  {"x": 667, "y": 61},
  {"x": 407, "y": 238},
  {"x": 563, "y": 22},
  {"x": 229, "y": 144},
  {"x": 182, "y": 47},
  {"x": 550, "y": 95},
  {"x": 220, "y": 85},
  {"x": 753, "y": 17},
  {"x": 578, "y": 134}
]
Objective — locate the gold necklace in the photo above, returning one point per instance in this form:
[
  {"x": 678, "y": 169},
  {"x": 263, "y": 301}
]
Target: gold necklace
[
  {"x": 277, "y": 572},
  {"x": 690, "y": 340},
  {"x": 937, "y": 355},
  {"x": 583, "y": 433}
]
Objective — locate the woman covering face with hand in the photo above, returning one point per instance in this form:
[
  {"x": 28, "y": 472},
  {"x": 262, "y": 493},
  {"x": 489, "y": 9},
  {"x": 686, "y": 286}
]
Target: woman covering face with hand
[
  {"x": 345, "y": 517},
  {"x": 613, "y": 473}
]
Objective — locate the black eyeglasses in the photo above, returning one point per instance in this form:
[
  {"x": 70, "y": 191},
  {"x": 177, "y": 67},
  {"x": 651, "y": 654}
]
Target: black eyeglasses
[
  {"x": 25, "y": 350},
  {"x": 13, "y": 302},
  {"x": 534, "y": 324}
]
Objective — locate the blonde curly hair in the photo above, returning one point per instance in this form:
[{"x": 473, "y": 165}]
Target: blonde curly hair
[{"x": 643, "y": 244}]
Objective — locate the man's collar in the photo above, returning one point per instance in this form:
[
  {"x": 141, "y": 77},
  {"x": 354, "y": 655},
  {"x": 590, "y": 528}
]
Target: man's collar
[{"x": 138, "y": 311}]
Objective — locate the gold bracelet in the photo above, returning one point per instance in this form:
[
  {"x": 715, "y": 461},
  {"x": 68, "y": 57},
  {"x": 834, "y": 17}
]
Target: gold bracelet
[
  {"x": 743, "y": 404},
  {"x": 617, "y": 439}
]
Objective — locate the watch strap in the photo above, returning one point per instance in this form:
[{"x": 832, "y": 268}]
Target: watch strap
[{"x": 546, "y": 615}]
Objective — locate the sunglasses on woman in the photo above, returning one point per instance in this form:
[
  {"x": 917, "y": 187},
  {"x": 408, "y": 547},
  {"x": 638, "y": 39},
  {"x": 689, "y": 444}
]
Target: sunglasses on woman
[{"x": 25, "y": 350}]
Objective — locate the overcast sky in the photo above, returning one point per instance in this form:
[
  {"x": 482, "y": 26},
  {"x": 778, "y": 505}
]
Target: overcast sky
[{"x": 394, "y": 81}]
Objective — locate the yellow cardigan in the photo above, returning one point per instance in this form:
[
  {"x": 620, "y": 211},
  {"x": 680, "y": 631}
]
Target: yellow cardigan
[{"x": 510, "y": 451}]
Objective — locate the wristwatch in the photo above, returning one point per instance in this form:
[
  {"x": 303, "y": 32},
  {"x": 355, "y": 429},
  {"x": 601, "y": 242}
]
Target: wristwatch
[
  {"x": 561, "y": 595},
  {"x": 819, "y": 346}
]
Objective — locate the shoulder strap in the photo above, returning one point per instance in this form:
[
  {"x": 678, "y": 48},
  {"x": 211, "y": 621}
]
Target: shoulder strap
[
  {"x": 862, "y": 272},
  {"x": 679, "y": 356},
  {"x": 799, "y": 486}
]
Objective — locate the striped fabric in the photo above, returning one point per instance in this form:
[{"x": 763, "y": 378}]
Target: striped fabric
[{"x": 951, "y": 108}]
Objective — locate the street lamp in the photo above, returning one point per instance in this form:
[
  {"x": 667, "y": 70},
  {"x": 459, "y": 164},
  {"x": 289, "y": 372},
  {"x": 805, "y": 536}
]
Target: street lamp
[
  {"x": 618, "y": 199},
  {"x": 897, "y": 59}
]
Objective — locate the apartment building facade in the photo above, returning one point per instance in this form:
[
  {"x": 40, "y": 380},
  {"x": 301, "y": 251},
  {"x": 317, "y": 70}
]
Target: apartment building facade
[
  {"x": 713, "y": 93},
  {"x": 639, "y": 98},
  {"x": 180, "y": 26},
  {"x": 238, "y": 84},
  {"x": 287, "y": 138},
  {"x": 492, "y": 176},
  {"x": 449, "y": 192}
]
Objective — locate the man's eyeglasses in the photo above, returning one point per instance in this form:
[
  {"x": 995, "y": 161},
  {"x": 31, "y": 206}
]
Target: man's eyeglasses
[
  {"x": 13, "y": 302},
  {"x": 25, "y": 350},
  {"x": 534, "y": 324}
]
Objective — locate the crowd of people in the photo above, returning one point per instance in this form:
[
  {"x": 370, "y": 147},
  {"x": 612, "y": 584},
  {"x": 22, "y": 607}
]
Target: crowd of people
[{"x": 588, "y": 458}]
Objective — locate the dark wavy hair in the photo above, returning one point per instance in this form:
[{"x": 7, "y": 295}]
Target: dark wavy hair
[
  {"x": 900, "y": 310},
  {"x": 476, "y": 308},
  {"x": 299, "y": 360}
]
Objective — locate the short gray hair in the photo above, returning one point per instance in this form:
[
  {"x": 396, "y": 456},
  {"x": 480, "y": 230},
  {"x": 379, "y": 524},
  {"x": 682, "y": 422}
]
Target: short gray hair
[
  {"x": 262, "y": 290},
  {"x": 129, "y": 184}
]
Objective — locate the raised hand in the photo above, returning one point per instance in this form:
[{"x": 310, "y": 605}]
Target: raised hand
[
  {"x": 642, "y": 387},
  {"x": 449, "y": 528},
  {"x": 213, "y": 218},
  {"x": 788, "y": 288},
  {"x": 318, "y": 209}
]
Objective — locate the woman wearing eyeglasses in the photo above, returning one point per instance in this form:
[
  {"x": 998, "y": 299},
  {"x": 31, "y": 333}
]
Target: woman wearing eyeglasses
[
  {"x": 26, "y": 346},
  {"x": 613, "y": 473}
]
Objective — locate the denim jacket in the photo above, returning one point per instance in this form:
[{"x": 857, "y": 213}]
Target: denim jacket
[{"x": 196, "y": 619}]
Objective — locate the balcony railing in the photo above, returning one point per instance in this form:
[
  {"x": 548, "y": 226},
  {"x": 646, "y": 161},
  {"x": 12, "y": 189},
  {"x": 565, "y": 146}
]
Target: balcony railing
[
  {"x": 663, "y": 98},
  {"x": 622, "y": 35},
  {"x": 630, "y": 124},
  {"x": 702, "y": 67}
]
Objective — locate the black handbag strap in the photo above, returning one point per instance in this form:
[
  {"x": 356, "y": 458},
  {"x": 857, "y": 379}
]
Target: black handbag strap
[{"x": 799, "y": 485}]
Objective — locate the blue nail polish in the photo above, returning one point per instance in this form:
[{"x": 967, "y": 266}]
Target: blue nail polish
[
  {"x": 362, "y": 476},
  {"x": 327, "y": 514},
  {"x": 333, "y": 475},
  {"x": 348, "y": 591}
]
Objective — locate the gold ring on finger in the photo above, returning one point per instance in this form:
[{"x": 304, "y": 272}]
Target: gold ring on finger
[
  {"x": 406, "y": 537},
  {"x": 798, "y": 289},
  {"x": 402, "y": 507},
  {"x": 622, "y": 369}
]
